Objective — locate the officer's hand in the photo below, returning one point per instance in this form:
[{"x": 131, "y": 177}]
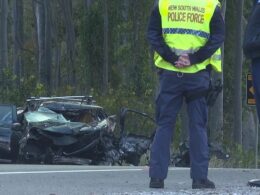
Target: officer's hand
[{"x": 183, "y": 61}]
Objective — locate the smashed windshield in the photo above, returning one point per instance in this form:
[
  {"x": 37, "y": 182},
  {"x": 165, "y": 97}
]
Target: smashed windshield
[
  {"x": 6, "y": 116},
  {"x": 44, "y": 114}
]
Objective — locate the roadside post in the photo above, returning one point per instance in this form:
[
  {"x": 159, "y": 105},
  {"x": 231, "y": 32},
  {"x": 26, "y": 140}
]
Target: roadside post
[{"x": 252, "y": 102}]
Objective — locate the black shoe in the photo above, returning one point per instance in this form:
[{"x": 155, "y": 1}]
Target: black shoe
[
  {"x": 156, "y": 183},
  {"x": 202, "y": 183}
]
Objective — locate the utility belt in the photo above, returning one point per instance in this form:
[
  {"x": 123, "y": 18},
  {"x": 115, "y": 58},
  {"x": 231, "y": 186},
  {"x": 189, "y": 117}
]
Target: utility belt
[
  {"x": 181, "y": 74},
  {"x": 211, "y": 94}
]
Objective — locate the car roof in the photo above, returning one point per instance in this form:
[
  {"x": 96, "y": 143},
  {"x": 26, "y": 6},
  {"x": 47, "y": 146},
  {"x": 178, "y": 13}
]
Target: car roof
[{"x": 63, "y": 103}]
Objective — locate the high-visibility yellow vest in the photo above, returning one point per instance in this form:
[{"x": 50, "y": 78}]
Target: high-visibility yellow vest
[{"x": 185, "y": 29}]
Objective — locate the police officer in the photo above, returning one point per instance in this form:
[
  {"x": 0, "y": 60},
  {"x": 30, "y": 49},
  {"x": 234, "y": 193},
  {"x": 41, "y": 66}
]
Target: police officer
[
  {"x": 186, "y": 36},
  {"x": 252, "y": 51}
]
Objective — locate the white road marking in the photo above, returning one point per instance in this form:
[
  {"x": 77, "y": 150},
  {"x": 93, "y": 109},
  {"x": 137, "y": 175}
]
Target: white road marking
[
  {"x": 80, "y": 171},
  {"x": 68, "y": 171}
]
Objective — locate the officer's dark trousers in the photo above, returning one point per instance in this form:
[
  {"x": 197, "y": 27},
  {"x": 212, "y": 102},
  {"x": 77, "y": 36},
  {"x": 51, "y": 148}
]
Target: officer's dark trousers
[
  {"x": 256, "y": 83},
  {"x": 171, "y": 94}
]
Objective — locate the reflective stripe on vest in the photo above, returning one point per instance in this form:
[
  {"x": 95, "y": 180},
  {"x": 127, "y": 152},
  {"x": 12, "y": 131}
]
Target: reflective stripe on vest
[{"x": 185, "y": 29}]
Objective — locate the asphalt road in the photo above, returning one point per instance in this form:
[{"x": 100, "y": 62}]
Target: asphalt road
[{"x": 92, "y": 180}]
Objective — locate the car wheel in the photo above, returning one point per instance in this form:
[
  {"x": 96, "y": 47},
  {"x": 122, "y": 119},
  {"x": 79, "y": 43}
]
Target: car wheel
[
  {"x": 31, "y": 153},
  {"x": 14, "y": 145}
]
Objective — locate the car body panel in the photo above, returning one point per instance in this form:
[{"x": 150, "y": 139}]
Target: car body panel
[{"x": 7, "y": 118}]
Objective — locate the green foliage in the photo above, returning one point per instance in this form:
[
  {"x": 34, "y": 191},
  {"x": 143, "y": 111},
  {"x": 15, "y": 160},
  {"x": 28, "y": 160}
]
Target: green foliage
[
  {"x": 239, "y": 158},
  {"x": 125, "y": 97},
  {"x": 16, "y": 91},
  {"x": 92, "y": 47}
]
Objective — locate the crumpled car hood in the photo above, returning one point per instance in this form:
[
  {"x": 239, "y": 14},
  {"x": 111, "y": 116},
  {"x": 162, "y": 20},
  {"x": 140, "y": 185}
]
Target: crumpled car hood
[
  {"x": 76, "y": 127},
  {"x": 56, "y": 123},
  {"x": 69, "y": 128}
]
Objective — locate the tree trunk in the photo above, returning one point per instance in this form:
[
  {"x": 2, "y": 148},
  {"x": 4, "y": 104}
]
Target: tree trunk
[
  {"x": 18, "y": 39},
  {"x": 37, "y": 50},
  {"x": 238, "y": 74},
  {"x": 249, "y": 131},
  {"x": 105, "y": 49},
  {"x": 43, "y": 23},
  {"x": 88, "y": 3},
  {"x": 216, "y": 112},
  {"x": 136, "y": 49},
  {"x": 3, "y": 39},
  {"x": 47, "y": 47},
  {"x": 66, "y": 6},
  {"x": 56, "y": 49},
  {"x": 86, "y": 54},
  {"x": 40, "y": 26},
  {"x": 124, "y": 36}
]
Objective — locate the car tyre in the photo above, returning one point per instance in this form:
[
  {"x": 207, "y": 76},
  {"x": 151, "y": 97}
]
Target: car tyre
[
  {"x": 31, "y": 153},
  {"x": 14, "y": 145}
]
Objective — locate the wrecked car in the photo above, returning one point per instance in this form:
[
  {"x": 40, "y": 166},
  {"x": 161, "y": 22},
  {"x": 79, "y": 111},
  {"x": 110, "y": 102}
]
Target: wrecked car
[
  {"x": 74, "y": 130},
  {"x": 8, "y": 139}
]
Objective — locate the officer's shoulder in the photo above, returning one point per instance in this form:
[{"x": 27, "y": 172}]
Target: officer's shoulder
[{"x": 216, "y": 2}]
